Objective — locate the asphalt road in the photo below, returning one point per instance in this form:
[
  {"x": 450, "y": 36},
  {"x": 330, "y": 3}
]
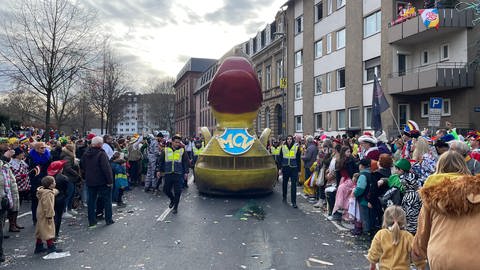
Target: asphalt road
[{"x": 207, "y": 233}]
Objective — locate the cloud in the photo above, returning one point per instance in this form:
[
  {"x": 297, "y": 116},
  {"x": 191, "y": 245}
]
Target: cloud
[
  {"x": 140, "y": 13},
  {"x": 236, "y": 12}
]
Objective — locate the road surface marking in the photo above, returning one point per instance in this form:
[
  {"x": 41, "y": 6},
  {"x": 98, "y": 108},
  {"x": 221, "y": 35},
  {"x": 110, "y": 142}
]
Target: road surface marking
[{"x": 164, "y": 214}]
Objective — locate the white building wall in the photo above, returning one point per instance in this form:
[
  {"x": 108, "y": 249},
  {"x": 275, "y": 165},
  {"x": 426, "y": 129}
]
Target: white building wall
[
  {"x": 329, "y": 62},
  {"x": 329, "y": 102},
  {"x": 298, "y": 74},
  {"x": 331, "y": 23},
  {"x": 372, "y": 47},
  {"x": 298, "y": 107},
  {"x": 298, "y": 8},
  {"x": 298, "y": 42},
  {"x": 371, "y": 5}
]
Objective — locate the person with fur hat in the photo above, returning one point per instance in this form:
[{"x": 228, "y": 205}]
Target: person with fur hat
[
  {"x": 55, "y": 170},
  {"x": 448, "y": 222},
  {"x": 369, "y": 147}
]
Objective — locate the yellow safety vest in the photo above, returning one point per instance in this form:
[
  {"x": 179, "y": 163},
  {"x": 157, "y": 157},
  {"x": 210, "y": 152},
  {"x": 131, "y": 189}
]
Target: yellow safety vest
[
  {"x": 173, "y": 160},
  {"x": 289, "y": 155},
  {"x": 275, "y": 150},
  {"x": 197, "y": 151}
]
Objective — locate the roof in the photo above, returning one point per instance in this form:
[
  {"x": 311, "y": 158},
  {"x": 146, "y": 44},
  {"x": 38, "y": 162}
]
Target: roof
[{"x": 195, "y": 65}]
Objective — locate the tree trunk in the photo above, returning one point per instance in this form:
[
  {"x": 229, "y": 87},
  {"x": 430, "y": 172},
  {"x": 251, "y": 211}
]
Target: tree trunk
[{"x": 47, "y": 114}]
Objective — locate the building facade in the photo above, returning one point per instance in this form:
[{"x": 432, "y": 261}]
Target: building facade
[
  {"x": 267, "y": 51},
  {"x": 185, "y": 85},
  {"x": 336, "y": 47}
]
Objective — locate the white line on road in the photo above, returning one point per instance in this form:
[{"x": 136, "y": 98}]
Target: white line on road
[
  {"x": 25, "y": 214},
  {"x": 164, "y": 214}
]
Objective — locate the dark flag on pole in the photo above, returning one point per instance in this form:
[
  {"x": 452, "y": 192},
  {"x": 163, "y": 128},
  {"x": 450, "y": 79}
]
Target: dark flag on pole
[{"x": 379, "y": 105}]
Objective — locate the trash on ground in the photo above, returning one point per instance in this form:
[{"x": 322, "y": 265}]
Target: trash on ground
[
  {"x": 251, "y": 209},
  {"x": 319, "y": 261},
  {"x": 57, "y": 255}
]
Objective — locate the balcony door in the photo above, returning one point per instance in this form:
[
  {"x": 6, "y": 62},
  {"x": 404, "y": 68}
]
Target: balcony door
[{"x": 402, "y": 64}]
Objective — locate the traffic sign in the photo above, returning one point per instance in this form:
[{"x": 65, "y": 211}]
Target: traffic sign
[
  {"x": 283, "y": 83},
  {"x": 435, "y": 112}
]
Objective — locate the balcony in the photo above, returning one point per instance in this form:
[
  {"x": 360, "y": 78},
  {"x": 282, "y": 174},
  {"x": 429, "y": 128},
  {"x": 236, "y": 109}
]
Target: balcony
[
  {"x": 432, "y": 78},
  {"x": 413, "y": 31}
]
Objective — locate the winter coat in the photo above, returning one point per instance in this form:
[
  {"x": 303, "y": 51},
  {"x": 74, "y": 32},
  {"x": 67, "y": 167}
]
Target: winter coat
[
  {"x": 8, "y": 187},
  {"x": 97, "y": 168},
  {"x": 62, "y": 187},
  {"x": 448, "y": 224},
  {"x": 35, "y": 159},
  {"x": 45, "y": 228},
  {"x": 310, "y": 155},
  {"x": 70, "y": 169}
]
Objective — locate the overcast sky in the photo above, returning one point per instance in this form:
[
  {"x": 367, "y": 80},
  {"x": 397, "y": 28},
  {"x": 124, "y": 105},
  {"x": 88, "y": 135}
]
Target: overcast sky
[{"x": 154, "y": 38}]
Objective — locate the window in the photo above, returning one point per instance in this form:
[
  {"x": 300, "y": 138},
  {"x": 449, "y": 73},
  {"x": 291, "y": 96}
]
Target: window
[
  {"x": 330, "y": 7},
  {"x": 329, "y": 82},
  {"x": 298, "y": 58},
  {"x": 259, "y": 76},
  {"x": 273, "y": 29},
  {"x": 254, "y": 45},
  {"x": 403, "y": 114},
  {"x": 247, "y": 48},
  {"x": 340, "y": 3},
  {"x": 259, "y": 121},
  {"x": 299, "y": 25},
  {"x": 121, "y": 129},
  {"x": 446, "y": 108},
  {"x": 318, "y": 121},
  {"x": 329, "y": 120},
  {"x": 268, "y": 77},
  {"x": 127, "y": 124},
  {"x": 341, "y": 39},
  {"x": 298, "y": 123},
  {"x": 372, "y": 67},
  {"x": 341, "y": 119},
  {"x": 279, "y": 71},
  {"x": 263, "y": 38},
  {"x": 298, "y": 90},
  {"x": 372, "y": 24},
  {"x": 126, "y": 129},
  {"x": 318, "y": 48},
  {"x": 329, "y": 42},
  {"x": 319, "y": 12},
  {"x": 444, "y": 52},
  {"x": 341, "y": 79},
  {"x": 318, "y": 85},
  {"x": 424, "y": 57},
  {"x": 368, "y": 117},
  {"x": 354, "y": 118}
]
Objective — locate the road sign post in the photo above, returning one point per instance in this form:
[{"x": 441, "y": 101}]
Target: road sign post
[{"x": 435, "y": 112}]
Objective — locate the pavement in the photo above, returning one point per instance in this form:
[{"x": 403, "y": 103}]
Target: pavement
[{"x": 207, "y": 233}]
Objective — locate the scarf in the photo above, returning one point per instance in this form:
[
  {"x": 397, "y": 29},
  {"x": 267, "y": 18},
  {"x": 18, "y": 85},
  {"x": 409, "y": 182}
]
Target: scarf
[{"x": 40, "y": 159}]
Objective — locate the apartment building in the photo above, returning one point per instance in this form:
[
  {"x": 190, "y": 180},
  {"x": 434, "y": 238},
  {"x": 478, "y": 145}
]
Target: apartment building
[
  {"x": 139, "y": 114},
  {"x": 336, "y": 47},
  {"x": 267, "y": 51},
  {"x": 185, "y": 85},
  {"x": 204, "y": 116}
]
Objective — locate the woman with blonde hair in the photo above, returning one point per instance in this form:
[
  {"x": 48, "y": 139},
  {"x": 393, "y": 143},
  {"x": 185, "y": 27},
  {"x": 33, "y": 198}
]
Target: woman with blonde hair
[
  {"x": 447, "y": 231},
  {"x": 391, "y": 246},
  {"x": 451, "y": 165},
  {"x": 423, "y": 160}
]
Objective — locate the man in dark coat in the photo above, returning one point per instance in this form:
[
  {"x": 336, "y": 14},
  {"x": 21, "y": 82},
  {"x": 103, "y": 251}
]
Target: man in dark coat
[{"x": 98, "y": 179}]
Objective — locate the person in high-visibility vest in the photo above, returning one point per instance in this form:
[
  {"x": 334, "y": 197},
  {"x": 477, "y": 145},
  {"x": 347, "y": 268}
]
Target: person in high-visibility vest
[
  {"x": 174, "y": 164},
  {"x": 289, "y": 160},
  {"x": 275, "y": 150},
  {"x": 197, "y": 148}
]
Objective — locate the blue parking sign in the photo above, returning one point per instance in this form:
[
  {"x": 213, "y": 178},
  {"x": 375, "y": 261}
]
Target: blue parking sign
[{"x": 436, "y": 103}]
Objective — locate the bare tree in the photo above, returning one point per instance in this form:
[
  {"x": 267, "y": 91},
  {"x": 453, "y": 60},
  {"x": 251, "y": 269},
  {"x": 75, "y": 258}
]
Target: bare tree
[
  {"x": 63, "y": 103},
  {"x": 107, "y": 85},
  {"x": 160, "y": 101},
  {"x": 47, "y": 43},
  {"x": 24, "y": 106}
]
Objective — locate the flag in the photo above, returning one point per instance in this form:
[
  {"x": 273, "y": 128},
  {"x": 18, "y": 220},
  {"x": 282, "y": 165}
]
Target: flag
[
  {"x": 379, "y": 105},
  {"x": 430, "y": 17}
]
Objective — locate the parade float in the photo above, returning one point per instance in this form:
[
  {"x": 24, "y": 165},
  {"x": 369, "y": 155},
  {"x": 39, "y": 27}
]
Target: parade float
[{"x": 235, "y": 160}]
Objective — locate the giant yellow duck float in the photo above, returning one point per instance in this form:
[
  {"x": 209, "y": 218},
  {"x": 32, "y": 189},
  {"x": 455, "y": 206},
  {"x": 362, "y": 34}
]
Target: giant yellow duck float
[{"x": 235, "y": 160}]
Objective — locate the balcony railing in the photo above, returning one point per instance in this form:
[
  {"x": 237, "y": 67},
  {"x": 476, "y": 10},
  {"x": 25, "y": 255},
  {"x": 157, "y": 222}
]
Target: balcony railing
[
  {"x": 408, "y": 30},
  {"x": 430, "y": 78}
]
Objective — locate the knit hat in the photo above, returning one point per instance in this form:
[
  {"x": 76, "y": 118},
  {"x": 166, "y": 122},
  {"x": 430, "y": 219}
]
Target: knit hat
[
  {"x": 55, "y": 167},
  {"x": 403, "y": 164}
]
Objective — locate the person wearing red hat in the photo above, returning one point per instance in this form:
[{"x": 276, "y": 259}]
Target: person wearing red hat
[{"x": 56, "y": 170}]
